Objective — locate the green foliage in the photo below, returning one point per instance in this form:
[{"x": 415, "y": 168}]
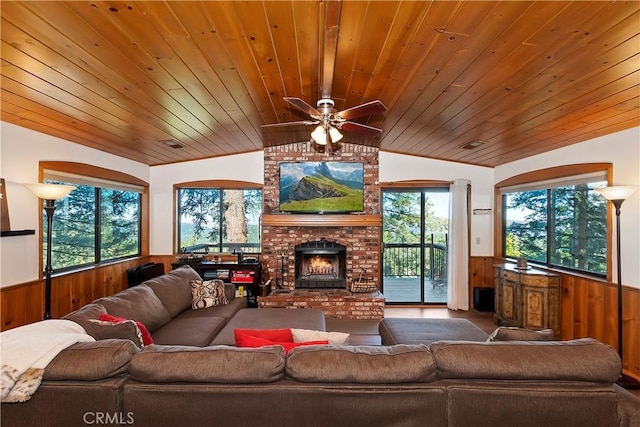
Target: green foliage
[
  {"x": 567, "y": 222},
  {"x": 77, "y": 219},
  {"x": 401, "y": 235},
  {"x": 347, "y": 199},
  {"x": 201, "y": 219}
]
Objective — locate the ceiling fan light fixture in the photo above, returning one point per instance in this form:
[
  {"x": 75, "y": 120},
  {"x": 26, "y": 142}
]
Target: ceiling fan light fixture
[
  {"x": 334, "y": 134},
  {"x": 320, "y": 137}
]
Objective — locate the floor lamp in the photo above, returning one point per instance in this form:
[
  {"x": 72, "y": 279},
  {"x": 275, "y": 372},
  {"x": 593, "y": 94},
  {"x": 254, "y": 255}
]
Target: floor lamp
[
  {"x": 617, "y": 195},
  {"x": 49, "y": 193}
]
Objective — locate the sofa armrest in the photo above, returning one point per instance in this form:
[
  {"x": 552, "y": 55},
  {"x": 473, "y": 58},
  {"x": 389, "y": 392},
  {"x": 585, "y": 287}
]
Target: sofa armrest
[{"x": 91, "y": 361}]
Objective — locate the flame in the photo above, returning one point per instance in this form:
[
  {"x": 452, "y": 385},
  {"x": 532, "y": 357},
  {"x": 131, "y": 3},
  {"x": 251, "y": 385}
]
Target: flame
[{"x": 319, "y": 263}]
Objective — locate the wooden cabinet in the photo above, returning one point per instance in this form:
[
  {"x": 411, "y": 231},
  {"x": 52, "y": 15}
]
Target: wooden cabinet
[
  {"x": 246, "y": 277},
  {"x": 527, "y": 298}
]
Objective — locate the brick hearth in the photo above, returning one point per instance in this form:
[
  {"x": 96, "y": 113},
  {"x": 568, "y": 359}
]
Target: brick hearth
[{"x": 335, "y": 303}]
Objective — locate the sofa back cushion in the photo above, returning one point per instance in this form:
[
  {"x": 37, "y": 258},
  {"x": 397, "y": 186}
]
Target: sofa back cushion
[
  {"x": 399, "y": 363},
  {"x": 214, "y": 364},
  {"x": 91, "y": 361},
  {"x": 584, "y": 359},
  {"x": 82, "y": 316},
  {"x": 139, "y": 303},
  {"x": 174, "y": 288}
]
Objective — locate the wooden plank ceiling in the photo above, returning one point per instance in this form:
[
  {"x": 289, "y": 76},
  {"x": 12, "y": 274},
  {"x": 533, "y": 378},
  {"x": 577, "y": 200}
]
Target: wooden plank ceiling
[{"x": 518, "y": 77}]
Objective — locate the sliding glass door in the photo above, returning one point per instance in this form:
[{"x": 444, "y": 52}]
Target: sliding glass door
[{"x": 415, "y": 245}]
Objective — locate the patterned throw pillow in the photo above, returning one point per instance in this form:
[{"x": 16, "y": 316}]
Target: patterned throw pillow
[
  {"x": 303, "y": 335},
  {"x": 207, "y": 293}
]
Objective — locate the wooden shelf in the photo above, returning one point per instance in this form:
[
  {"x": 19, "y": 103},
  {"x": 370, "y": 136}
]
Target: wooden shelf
[
  {"x": 325, "y": 220},
  {"x": 17, "y": 233}
]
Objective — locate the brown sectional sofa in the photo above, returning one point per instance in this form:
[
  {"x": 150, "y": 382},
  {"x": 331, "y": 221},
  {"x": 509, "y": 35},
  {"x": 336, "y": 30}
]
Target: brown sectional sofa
[{"x": 449, "y": 383}]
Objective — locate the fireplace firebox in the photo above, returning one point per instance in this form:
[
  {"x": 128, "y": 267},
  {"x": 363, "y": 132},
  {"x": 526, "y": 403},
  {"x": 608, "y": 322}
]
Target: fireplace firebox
[{"x": 320, "y": 264}]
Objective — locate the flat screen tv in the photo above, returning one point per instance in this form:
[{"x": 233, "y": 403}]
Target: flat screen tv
[{"x": 321, "y": 187}]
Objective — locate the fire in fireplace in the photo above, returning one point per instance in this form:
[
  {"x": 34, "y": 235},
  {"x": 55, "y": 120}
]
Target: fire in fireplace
[{"x": 320, "y": 264}]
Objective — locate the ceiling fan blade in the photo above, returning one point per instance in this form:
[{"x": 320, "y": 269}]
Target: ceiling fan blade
[
  {"x": 366, "y": 109},
  {"x": 302, "y": 106},
  {"x": 359, "y": 128},
  {"x": 296, "y": 123}
]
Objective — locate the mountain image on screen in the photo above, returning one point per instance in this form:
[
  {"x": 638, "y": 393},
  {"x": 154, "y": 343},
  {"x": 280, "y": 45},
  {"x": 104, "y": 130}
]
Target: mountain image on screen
[{"x": 319, "y": 187}]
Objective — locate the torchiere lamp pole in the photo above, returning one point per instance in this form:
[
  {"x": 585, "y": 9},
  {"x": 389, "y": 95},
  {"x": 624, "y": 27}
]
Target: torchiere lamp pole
[
  {"x": 616, "y": 195},
  {"x": 49, "y": 193}
]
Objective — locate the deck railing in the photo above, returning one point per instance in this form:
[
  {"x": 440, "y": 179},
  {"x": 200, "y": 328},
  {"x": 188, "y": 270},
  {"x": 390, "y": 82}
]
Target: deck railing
[
  {"x": 205, "y": 248},
  {"x": 403, "y": 259}
]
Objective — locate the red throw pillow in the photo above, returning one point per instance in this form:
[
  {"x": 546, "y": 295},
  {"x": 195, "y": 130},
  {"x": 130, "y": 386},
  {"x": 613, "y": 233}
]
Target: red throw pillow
[
  {"x": 146, "y": 336},
  {"x": 278, "y": 335},
  {"x": 243, "y": 340}
]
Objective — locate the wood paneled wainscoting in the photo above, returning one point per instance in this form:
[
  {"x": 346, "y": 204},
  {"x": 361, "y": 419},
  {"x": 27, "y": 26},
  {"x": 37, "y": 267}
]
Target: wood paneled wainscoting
[
  {"x": 588, "y": 305},
  {"x": 589, "y": 309},
  {"x": 24, "y": 303}
]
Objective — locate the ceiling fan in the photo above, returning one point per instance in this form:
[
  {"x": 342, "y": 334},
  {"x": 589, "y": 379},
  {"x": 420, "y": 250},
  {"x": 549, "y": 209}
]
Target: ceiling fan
[
  {"x": 327, "y": 121},
  {"x": 330, "y": 122}
]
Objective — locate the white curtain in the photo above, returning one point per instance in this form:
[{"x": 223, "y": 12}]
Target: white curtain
[{"x": 458, "y": 256}]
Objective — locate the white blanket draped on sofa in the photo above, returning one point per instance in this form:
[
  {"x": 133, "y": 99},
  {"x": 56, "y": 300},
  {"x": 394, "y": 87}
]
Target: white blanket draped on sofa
[{"x": 27, "y": 350}]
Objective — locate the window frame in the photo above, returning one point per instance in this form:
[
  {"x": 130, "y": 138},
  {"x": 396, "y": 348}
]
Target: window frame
[
  {"x": 99, "y": 174},
  {"x": 208, "y": 184},
  {"x": 553, "y": 173}
]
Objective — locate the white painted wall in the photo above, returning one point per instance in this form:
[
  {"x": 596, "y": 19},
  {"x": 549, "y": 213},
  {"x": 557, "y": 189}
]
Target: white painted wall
[
  {"x": 21, "y": 150},
  {"x": 242, "y": 167},
  {"x": 397, "y": 167},
  {"x": 623, "y": 150}
]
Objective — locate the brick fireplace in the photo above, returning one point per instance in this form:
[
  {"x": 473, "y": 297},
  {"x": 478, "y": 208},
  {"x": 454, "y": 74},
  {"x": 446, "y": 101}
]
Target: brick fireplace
[{"x": 359, "y": 233}]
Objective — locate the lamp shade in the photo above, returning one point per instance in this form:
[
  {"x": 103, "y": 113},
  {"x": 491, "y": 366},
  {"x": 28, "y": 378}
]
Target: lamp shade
[
  {"x": 618, "y": 192},
  {"x": 320, "y": 137},
  {"x": 50, "y": 191}
]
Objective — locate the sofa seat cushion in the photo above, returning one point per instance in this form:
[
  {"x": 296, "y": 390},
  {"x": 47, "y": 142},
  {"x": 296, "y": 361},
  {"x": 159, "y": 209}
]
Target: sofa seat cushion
[
  {"x": 139, "y": 303},
  {"x": 270, "y": 318},
  {"x": 91, "y": 361},
  {"x": 362, "y": 364},
  {"x": 583, "y": 359},
  {"x": 226, "y": 311},
  {"x": 426, "y": 331},
  {"x": 198, "y": 332},
  {"x": 215, "y": 364},
  {"x": 174, "y": 288}
]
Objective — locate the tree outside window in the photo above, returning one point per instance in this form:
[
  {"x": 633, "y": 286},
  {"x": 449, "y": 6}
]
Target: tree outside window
[
  {"x": 94, "y": 224},
  {"x": 219, "y": 220},
  {"x": 564, "y": 226}
]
